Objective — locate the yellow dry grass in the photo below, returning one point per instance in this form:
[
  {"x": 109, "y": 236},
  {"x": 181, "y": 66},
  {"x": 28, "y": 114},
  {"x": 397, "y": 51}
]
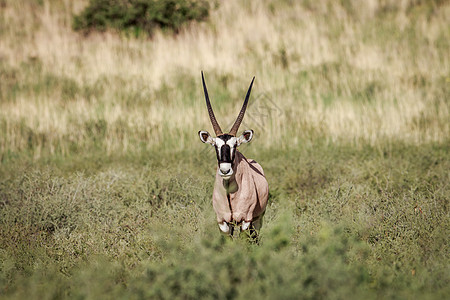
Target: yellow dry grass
[{"x": 277, "y": 42}]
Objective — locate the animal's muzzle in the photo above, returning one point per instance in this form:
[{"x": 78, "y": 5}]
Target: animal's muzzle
[
  {"x": 225, "y": 160},
  {"x": 225, "y": 169}
]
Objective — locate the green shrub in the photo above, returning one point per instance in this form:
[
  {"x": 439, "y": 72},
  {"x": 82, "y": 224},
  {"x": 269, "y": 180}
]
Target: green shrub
[{"x": 140, "y": 15}]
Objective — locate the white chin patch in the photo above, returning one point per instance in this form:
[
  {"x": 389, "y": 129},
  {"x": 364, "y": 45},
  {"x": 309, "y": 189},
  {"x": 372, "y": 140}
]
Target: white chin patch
[{"x": 224, "y": 227}]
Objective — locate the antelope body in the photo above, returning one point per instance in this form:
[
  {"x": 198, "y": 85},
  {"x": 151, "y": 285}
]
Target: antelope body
[{"x": 240, "y": 190}]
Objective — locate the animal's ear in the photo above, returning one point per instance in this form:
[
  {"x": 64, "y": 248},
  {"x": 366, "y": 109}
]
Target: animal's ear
[
  {"x": 245, "y": 137},
  {"x": 205, "y": 137}
]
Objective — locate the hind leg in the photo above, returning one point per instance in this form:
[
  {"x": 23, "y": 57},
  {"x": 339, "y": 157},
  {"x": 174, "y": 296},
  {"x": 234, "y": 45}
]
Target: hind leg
[{"x": 258, "y": 222}]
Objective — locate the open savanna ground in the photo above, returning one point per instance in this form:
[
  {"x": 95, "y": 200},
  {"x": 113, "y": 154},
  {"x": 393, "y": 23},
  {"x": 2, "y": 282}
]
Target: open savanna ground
[{"x": 105, "y": 187}]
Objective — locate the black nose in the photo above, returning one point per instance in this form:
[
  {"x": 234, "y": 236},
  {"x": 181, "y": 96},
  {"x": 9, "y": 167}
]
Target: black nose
[{"x": 225, "y": 172}]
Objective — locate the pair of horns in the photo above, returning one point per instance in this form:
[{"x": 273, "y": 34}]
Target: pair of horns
[{"x": 240, "y": 117}]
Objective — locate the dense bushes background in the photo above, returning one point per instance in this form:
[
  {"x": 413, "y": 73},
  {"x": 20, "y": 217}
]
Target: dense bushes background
[{"x": 140, "y": 15}]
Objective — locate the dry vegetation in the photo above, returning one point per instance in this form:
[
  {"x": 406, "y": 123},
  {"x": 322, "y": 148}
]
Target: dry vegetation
[
  {"x": 105, "y": 188},
  {"x": 379, "y": 73}
]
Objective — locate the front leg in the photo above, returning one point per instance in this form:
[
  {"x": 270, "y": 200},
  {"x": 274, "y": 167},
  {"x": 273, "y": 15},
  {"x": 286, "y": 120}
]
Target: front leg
[
  {"x": 250, "y": 232},
  {"x": 224, "y": 227},
  {"x": 245, "y": 225},
  {"x": 252, "y": 228},
  {"x": 227, "y": 228}
]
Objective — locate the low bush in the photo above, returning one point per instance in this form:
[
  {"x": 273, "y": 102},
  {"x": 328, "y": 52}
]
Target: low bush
[{"x": 140, "y": 15}]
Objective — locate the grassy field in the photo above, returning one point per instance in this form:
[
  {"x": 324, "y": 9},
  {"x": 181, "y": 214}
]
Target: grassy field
[{"x": 105, "y": 187}]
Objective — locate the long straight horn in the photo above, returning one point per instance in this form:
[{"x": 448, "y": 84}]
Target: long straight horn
[
  {"x": 214, "y": 122},
  {"x": 240, "y": 117}
]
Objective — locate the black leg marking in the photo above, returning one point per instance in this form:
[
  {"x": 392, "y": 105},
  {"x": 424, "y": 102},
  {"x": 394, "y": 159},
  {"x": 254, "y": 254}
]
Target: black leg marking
[
  {"x": 231, "y": 229},
  {"x": 253, "y": 234}
]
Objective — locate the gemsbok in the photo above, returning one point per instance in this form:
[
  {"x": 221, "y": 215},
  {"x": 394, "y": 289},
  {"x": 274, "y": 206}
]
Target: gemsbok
[{"x": 241, "y": 190}]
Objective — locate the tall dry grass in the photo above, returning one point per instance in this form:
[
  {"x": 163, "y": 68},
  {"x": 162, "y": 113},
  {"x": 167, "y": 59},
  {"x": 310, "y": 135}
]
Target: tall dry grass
[{"x": 341, "y": 71}]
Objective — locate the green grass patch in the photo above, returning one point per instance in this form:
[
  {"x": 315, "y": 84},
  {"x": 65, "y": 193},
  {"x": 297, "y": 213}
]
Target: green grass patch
[{"x": 342, "y": 222}]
